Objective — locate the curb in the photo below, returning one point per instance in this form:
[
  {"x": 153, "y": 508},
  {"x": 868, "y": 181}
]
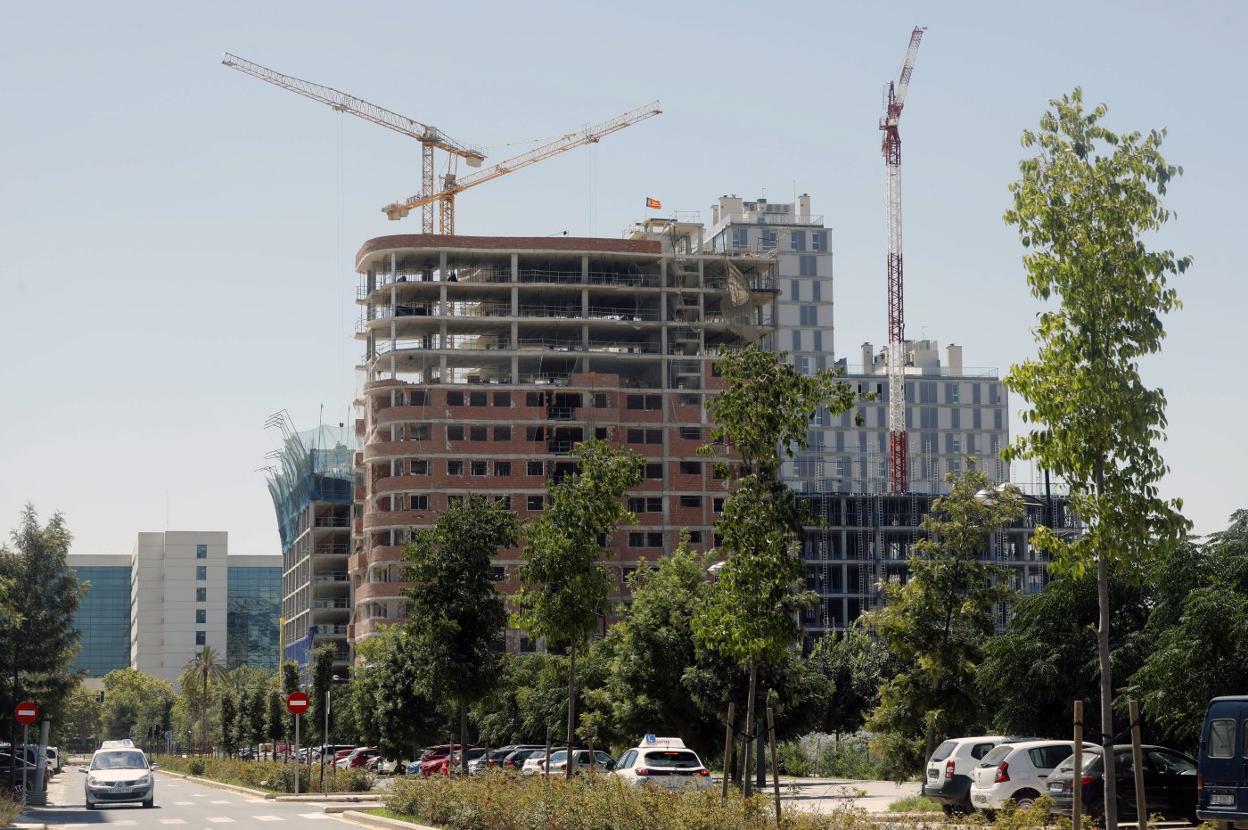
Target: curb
[
  {"x": 218, "y": 784},
  {"x": 332, "y": 798},
  {"x": 381, "y": 822}
]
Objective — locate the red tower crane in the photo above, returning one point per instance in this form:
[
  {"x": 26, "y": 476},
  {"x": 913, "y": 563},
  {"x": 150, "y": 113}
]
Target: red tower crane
[{"x": 894, "y": 100}]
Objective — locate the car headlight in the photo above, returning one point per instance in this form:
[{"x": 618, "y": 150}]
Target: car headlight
[{"x": 92, "y": 781}]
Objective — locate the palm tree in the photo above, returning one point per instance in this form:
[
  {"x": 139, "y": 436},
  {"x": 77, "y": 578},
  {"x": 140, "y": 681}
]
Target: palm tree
[{"x": 204, "y": 666}]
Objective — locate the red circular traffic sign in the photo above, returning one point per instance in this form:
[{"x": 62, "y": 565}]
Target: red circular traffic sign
[
  {"x": 26, "y": 712},
  {"x": 297, "y": 703}
]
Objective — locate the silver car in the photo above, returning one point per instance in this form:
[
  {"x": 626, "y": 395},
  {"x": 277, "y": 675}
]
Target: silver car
[{"x": 117, "y": 776}]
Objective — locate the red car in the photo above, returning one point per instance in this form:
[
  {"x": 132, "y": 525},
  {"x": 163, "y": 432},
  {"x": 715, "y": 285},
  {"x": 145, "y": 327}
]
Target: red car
[
  {"x": 435, "y": 759},
  {"x": 359, "y": 757}
]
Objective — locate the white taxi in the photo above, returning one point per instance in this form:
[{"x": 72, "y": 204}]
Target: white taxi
[
  {"x": 119, "y": 775},
  {"x": 663, "y": 763}
]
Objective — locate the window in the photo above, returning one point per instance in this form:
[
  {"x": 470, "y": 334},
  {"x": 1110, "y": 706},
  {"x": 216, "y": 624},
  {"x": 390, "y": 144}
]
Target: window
[
  {"x": 201, "y": 594},
  {"x": 480, "y": 433},
  {"x": 654, "y": 504},
  {"x": 769, "y": 240},
  {"x": 534, "y": 468},
  {"x": 654, "y": 471},
  {"x": 479, "y": 468},
  {"x": 454, "y": 433},
  {"x": 691, "y": 468},
  {"x": 690, "y": 501},
  {"x": 806, "y": 266},
  {"x": 816, "y": 291},
  {"x": 818, "y": 240},
  {"x": 795, "y": 292},
  {"x": 498, "y": 573},
  {"x": 717, "y": 505},
  {"x": 803, "y": 365},
  {"x": 502, "y": 468},
  {"x": 740, "y": 237},
  {"x": 532, "y": 398},
  {"x": 503, "y": 501},
  {"x": 695, "y": 537},
  {"x": 418, "y": 503},
  {"x": 201, "y": 572},
  {"x": 534, "y": 503},
  {"x": 533, "y": 433},
  {"x": 654, "y": 436},
  {"x": 417, "y": 397},
  {"x": 477, "y": 398},
  {"x": 636, "y": 504},
  {"x": 454, "y": 467},
  {"x": 952, "y": 392},
  {"x": 454, "y": 398},
  {"x": 601, "y": 433},
  {"x": 201, "y": 638},
  {"x": 636, "y": 436},
  {"x": 502, "y": 399},
  {"x": 797, "y": 240},
  {"x": 502, "y": 433},
  {"x": 691, "y": 433},
  {"x": 654, "y": 539},
  {"x": 634, "y": 401},
  {"x": 418, "y": 432},
  {"x": 201, "y": 551},
  {"x": 818, "y": 338},
  {"x": 600, "y": 400},
  {"x": 419, "y": 466},
  {"x": 636, "y": 540},
  {"x": 797, "y": 340},
  {"x": 201, "y": 615},
  {"x": 808, "y": 315},
  {"x": 1222, "y": 738}
]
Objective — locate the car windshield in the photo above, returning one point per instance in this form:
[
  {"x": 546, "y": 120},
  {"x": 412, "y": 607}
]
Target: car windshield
[
  {"x": 118, "y": 760},
  {"x": 996, "y": 756},
  {"x": 942, "y": 752},
  {"x": 671, "y": 759}
]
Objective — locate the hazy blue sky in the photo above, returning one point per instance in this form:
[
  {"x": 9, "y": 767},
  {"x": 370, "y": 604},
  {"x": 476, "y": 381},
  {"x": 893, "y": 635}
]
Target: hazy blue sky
[{"x": 176, "y": 238}]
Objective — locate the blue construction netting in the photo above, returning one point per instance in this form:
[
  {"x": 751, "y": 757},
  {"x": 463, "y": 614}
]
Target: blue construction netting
[{"x": 316, "y": 465}]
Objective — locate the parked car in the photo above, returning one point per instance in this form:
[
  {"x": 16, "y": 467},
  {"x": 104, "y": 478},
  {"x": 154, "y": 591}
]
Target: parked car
[
  {"x": 447, "y": 764},
  {"x": 1016, "y": 772},
  {"x": 7, "y": 767},
  {"x": 536, "y": 762},
  {"x": 496, "y": 757},
  {"x": 665, "y": 763},
  {"x": 358, "y": 757},
  {"x": 948, "y": 778},
  {"x": 1222, "y": 785},
  {"x": 54, "y": 756},
  {"x": 1169, "y": 783},
  {"x": 514, "y": 761},
  {"x": 119, "y": 775},
  {"x": 435, "y": 757},
  {"x": 599, "y": 762}
]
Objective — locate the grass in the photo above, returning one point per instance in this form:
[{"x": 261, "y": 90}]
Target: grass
[
  {"x": 914, "y": 804},
  {"x": 387, "y": 813}
]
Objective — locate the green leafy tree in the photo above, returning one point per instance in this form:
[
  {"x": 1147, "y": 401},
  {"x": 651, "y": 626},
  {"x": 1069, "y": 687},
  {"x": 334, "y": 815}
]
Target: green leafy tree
[
  {"x": 275, "y": 718},
  {"x": 565, "y": 589},
  {"x": 257, "y": 713},
  {"x": 855, "y": 665},
  {"x": 936, "y": 624},
  {"x": 1201, "y": 651},
  {"x": 134, "y": 704},
  {"x": 39, "y": 594},
  {"x": 229, "y": 723},
  {"x": 322, "y": 677},
  {"x": 750, "y": 612},
  {"x": 532, "y": 694},
  {"x": 387, "y": 686},
  {"x": 1046, "y": 659},
  {"x": 201, "y": 670},
  {"x": 457, "y": 615},
  {"x": 1082, "y": 206},
  {"x": 79, "y": 724},
  {"x": 290, "y": 683}
]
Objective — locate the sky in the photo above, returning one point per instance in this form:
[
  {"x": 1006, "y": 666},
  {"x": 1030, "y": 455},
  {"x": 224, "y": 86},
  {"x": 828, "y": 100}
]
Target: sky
[{"x": 177, "y": 238}]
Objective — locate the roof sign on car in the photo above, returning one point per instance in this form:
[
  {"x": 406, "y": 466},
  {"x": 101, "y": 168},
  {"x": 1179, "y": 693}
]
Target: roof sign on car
[{"x": 650, "y": 738}]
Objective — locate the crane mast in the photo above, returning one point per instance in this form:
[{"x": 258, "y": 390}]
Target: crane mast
[
  {"x": 894, "y": 100},
  {"x": 453, "y": 185}
]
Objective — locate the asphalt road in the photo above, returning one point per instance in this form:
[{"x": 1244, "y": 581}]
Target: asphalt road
[{"x": 179, "y": 803}]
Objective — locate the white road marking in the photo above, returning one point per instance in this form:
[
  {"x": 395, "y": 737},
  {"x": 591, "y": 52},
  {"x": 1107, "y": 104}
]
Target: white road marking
[
  {"x": 230, "y": 802},
  {"x": 125, "y": 822},
  {"x": 313, "y": 816},
  {"x": 256, "y": 800},
  {"x": 173, "y": 821},
  {"x": 200, "y": 795},
  {"x": 220, "y": 819},
  {"x": 268, "y": 818},
  {"x": 182, "y": 804}
]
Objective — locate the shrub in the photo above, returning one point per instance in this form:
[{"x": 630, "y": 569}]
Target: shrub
[
  {"x": 10, "y": 808},
  {"x": 196, "y": 767},
  {"x": 914, "y": 804},
  {"x": 827, "y": 757}
]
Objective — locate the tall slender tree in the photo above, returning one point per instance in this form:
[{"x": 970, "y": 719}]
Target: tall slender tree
[
  {"x": 201, "y": 670},
  {"x": 565, "y": 589},
  {"x": 457, "y": 615},
  {"x": 1082, "y": 206},
  {"x": 750, "y": 612}
]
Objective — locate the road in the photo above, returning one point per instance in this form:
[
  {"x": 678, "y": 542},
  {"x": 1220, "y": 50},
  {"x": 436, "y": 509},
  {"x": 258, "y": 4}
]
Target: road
[{"x": 180, "y": 804}]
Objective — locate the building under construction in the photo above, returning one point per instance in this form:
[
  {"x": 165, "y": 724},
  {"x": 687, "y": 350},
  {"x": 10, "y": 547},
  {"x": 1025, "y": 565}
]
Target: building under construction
[
  {"x": 487, "y": 359},
  {"x": 863, "y": 541}
]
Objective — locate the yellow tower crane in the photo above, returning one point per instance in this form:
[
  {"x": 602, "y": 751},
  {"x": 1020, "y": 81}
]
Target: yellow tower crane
[{"x": 430, "y": 138}]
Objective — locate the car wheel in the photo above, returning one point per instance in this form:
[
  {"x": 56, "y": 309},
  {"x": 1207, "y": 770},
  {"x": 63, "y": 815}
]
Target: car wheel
[
  {"x": 151, "y": 802},
  {"x": 949, "y": 809},
  {"x": 90, "y": 805},
  {"x": 1025, "y": 799},
  {"x": 990, "y": 815}
]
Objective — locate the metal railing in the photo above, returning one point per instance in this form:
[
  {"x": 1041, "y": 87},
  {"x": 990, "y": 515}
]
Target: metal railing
[
  {"x": 339, "y": 576},
  {"x": 332, "y": 521},
  {"x": 331, "y": 603}
]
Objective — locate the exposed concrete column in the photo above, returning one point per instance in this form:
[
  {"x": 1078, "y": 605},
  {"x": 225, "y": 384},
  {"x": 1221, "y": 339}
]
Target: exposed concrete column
[
  {"x": 394, "y": 303},
  {"x": 442, "y": 307},
  {"x": 515, "y": 268},
  {"x": 442, "y": 265}
]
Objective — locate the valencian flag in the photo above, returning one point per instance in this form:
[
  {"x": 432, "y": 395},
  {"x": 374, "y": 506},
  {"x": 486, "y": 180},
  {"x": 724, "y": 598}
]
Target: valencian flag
[{"x": 653, "y": 203}]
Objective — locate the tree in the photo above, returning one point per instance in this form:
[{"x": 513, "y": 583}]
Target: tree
[
  {"x": 855, "y": 665},
  {"x": 39, "y": 594},
  {"x": 1202, "y": 651},
  {"x": 457, "y": 615},
  {"x": 256, "y": 716},
  {"x": 750, "y": 612},
  {"x": 1046, "y": 659},
  {"x": 290, "y": 683},
  {"x": 229, "y": 724},
  {"x": 1082, "y": 205},
  {"x": 387, "y": 684},
  {"x": 565, "y": 589},
  {"x": 275, "y": 720},
  {"x": 79, "y": 724},
  {"x": 134, "y": 704},
  {"x": 936, "y": 624},
  {"x": 199, "y": 671},
  {"x": 322, "y": 683}
]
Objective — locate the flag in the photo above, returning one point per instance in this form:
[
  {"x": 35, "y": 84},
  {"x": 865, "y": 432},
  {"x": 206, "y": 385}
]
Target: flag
[{"x": 653, "y": 203}]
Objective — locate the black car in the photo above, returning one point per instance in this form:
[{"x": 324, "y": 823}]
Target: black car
[
  {"x": 1169, "y": 783},
  {"x": 515, "y": 760}
]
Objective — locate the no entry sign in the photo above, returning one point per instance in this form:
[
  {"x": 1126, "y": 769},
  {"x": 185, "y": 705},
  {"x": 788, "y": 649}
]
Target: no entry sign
[
  {"x": 297, "y": 703},
  {"x": 26, "y": 712}
]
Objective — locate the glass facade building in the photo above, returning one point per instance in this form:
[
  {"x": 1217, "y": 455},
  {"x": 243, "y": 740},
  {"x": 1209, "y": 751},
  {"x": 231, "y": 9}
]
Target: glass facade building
[
  {"x": 253, "y": 613},
  {"x": 103, "y": 619}
]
